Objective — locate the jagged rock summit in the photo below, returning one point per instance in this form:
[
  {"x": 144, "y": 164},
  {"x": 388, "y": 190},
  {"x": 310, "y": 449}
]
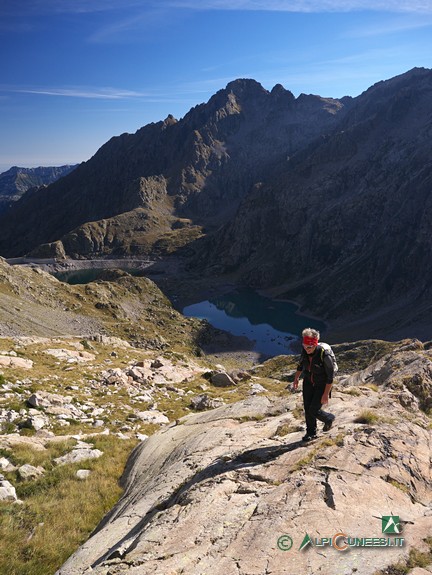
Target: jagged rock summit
[
  {"x": 234, "y": 490},
  {"x": 340, "y": 226},
  {"x": 323, "y": 201},
  {"x": 169, "y": 175}
]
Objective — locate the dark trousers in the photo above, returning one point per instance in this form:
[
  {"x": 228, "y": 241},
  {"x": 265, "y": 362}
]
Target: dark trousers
[{"x": 312, "y": 395}]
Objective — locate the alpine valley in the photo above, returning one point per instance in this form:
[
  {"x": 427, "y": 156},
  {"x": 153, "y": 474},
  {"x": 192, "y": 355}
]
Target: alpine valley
[
  {"x": 137, "y": 441},
  {"x": 323, "y": 201}
]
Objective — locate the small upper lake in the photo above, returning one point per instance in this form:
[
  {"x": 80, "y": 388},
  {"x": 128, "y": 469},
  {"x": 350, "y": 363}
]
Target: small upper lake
[
  {"x": 273, "y": 325},
  {"x": 85, "y": 276}
]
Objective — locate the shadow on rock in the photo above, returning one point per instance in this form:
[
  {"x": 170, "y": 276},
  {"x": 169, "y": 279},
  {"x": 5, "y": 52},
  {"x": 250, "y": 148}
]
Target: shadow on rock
[{"x": 220, "y": 466}]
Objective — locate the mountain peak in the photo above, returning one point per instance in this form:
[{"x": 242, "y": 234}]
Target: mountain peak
[{"x": 245, "y": 86}]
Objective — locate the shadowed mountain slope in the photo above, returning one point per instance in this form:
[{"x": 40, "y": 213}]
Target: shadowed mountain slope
[
  {"x": 347, "y": 221},
  {"x": 326, "y": 202},
  {"x": 199, "y": 167}
]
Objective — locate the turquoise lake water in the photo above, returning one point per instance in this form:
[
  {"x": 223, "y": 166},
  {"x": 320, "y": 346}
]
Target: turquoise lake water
[
  {"x": 274, "y": 326},
  {"x": 75, "y": 277}
]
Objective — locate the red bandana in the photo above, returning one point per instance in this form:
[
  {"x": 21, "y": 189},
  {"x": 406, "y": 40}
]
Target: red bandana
[{"x": 307, "y": 340}]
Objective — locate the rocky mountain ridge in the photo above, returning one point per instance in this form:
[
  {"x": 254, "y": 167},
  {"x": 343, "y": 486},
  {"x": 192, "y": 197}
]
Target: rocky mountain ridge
[
  {"x": 322, "y": 201},
  {"x": 174, "y": 174},
  {"x": 16, "y": 181}
]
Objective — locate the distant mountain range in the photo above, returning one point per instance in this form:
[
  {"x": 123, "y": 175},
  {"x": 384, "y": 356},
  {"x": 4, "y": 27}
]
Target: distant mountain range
[
  {"x": 326, "y": 201},
  {"x": 16, "y": 181}
]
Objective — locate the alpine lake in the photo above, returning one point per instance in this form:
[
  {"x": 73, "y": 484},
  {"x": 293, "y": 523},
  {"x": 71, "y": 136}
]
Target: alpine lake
[{"x": 274, "y": 326}]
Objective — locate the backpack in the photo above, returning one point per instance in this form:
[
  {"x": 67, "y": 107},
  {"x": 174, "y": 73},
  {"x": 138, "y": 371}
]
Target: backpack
[{"x": 326, "y": 349}]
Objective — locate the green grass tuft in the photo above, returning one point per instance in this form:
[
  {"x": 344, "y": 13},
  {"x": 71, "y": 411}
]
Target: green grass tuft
[{"x": 367, "y": 417}]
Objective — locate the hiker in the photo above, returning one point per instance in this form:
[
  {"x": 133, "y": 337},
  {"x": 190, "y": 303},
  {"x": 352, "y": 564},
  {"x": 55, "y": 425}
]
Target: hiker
[{"x": 317, "y": 367}]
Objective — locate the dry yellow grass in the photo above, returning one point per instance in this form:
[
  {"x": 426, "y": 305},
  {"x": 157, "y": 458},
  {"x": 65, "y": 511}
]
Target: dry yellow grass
[{"x": 59, "y": 511}]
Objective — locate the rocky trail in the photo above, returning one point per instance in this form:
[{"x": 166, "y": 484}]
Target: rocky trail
[{"x": 218, "y": 491}]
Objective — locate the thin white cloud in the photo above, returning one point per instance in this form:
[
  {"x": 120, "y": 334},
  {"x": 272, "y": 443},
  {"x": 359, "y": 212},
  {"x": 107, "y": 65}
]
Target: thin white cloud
[
  {"x": 172, "y": 95},
  {"x": 151, "y": 16},
  {"x": 138, "y": 21},
  {"x": 396, "y": 26},
  {"x": 92, "y": 93},
  {"x": 412, "y": 6},
  {"x": 88, "y": 6}
]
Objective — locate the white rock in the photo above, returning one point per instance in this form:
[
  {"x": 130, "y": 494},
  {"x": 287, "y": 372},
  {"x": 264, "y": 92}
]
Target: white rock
[
  {"x": 8, "y": 415},
  {"x": 69, "y": 355},
  {"x": 257, "y": 388},
  {"x": 38, "y": 421},
  {"x": 6, "y": 465},
  {"x": 78, "y": 455},
  {"x": 45, "y": 399},
  {"x": 7, "y": 491},
  {"x": 63, "y": 423},
  {"x": 144, "y": 397},
  {"x": 8, "y": 361},
  {"x": 28, "y": 471},
  {"x": 153, "y": 417},
  {"x": 83, "y": 473},
  {"x": 141, "y": 436}
]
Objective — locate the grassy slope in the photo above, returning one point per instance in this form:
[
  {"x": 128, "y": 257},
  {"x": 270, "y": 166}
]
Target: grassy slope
[{"x": 59, "y": 511}]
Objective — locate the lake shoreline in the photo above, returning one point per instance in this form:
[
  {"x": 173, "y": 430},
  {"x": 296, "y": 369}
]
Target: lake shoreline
[
  {"x": 184, "y": 288},
  {"x": 274, "y": 326}
]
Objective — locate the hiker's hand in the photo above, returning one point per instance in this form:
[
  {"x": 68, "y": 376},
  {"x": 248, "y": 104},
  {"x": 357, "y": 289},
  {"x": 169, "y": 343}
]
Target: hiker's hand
[
  {"x": 295, "y": 385},
  {"x": 325, "y": 399}
]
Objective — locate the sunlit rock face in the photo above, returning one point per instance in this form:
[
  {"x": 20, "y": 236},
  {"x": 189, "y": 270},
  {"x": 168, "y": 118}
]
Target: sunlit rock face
[{"x": 220, "y": 490}]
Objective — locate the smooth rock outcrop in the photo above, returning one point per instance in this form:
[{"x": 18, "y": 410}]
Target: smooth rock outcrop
[
  {"x": 221, "y": 492},
  {"x": 80, "y": 452},
  {"x": 15, "y": 362}
]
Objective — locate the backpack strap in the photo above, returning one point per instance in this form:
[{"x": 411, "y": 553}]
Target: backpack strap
[{"x": 322, "y": 352}]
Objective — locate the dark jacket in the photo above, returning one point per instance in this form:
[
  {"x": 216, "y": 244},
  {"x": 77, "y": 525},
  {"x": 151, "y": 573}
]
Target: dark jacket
[{"x": 318, "y": 367}]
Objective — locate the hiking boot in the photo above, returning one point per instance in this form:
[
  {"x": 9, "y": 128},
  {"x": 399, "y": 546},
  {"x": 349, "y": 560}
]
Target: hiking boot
[
  {"x": 328, "y": 424},
  {"x": 308, "y": 437}
]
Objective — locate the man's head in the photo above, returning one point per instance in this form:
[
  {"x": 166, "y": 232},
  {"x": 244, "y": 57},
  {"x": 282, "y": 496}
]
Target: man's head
[{"x": 310, "y": 339}]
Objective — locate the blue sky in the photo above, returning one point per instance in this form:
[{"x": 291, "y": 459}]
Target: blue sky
[{"x": 74, "y": 73}]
